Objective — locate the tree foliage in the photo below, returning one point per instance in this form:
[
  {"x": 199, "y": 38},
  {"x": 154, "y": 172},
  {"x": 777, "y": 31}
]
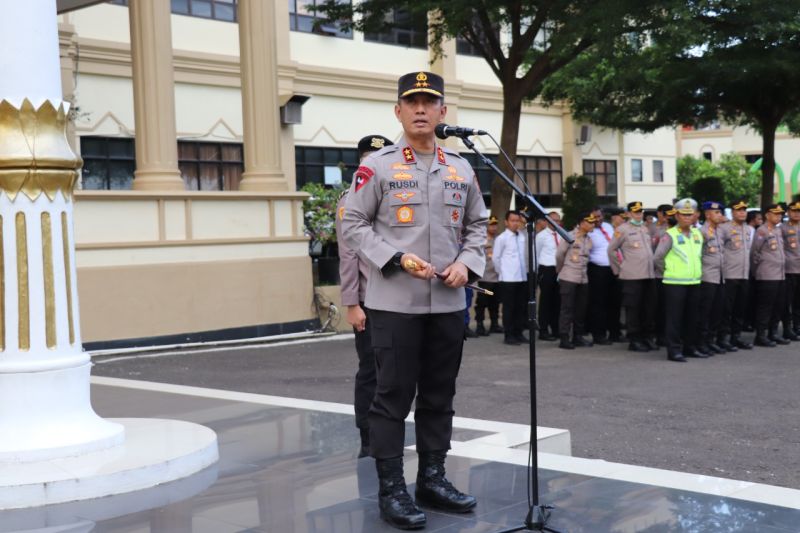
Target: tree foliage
[
  {"x": 524, "y": 42},
  {"x": 580, "y": 195},
  {"x": 716, "y": 60},
  {"x": 733, "y": 172}
]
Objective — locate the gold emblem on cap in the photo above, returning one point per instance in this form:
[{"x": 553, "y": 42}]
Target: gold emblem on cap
[
  {"x": 422, "y": 80},
  {"x": 687, "y": 204},
  {"x": 377, "y": 142}
]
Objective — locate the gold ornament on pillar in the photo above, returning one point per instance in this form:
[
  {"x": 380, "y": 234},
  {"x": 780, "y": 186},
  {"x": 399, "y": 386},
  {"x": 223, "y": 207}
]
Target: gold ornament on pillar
[{"x": 35, "y": 156}]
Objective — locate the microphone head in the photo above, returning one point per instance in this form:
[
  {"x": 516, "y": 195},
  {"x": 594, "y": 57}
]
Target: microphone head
[{"x": 440, "y": 130}]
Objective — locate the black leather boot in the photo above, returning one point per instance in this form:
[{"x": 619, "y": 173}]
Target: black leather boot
[
  {"x": 396, "y": 506},
  {"x": 789, "y": 334},
  {"x": 762, "y": 339},
  {"x": 434, "y": 490},
  {"x": 739, "y": 343},
  {"x": 480, "y": 330},
  {"x": 777, "y": 339},
  {"x": 581, "y": 341},
  {"x": 565, "y": 343},
  {"x": 723, "y": 343},
  {"x": 364, "y": 450}
]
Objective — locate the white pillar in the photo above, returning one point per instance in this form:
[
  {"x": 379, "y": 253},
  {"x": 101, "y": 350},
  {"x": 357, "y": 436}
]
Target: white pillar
[{"x": 45, "y": 410}]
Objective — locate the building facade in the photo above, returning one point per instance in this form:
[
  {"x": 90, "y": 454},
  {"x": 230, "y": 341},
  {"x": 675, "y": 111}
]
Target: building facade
[{"x": 199, "y": 120}]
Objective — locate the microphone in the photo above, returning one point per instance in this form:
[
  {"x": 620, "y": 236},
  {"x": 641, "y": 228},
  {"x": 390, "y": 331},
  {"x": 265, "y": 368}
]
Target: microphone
[{"x": 443, "y": 131}]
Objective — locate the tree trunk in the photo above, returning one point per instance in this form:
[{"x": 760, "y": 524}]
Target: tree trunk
[
  {"x": 768, "y": 163},
  {"x": 501, "y": 193}
]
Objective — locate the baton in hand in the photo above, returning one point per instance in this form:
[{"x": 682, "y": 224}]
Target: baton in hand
[{"x": 413, "y": 265}]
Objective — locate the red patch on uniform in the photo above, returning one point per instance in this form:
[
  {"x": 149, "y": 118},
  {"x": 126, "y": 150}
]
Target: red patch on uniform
[
  {"x": 440, "y": 154},
  {"x": 363, "y": 175},
  {"x": 408, "y": 154},
  {"x": 455, "y": 215}
]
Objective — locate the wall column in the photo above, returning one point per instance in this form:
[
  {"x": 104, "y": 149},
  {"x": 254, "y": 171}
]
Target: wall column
[
  {"x": 260, "y": 109},
  {"x": 445, "y": 66},
  {"x": 154, "y": 97},
  {"x": 571, "y": 152}
]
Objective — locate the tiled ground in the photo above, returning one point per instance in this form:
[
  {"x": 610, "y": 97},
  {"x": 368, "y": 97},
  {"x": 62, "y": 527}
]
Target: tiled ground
[{"x": 285, "y": 470}]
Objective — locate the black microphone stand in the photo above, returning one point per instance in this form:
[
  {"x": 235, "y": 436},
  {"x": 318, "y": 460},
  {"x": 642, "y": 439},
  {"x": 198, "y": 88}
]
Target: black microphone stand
[{"x": 538, "y": 514}]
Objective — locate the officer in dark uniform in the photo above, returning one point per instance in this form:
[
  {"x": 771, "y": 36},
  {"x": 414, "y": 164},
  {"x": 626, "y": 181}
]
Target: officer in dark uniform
[
  {"x": 737, "y": 245},
  {"x": 353, "y": 273},
  {"x": 791, "y": 241},
  {"x": 415, "y": 209}
]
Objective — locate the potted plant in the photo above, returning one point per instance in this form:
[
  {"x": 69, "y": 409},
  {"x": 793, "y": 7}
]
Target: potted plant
[{"x": 319, "y": 214}]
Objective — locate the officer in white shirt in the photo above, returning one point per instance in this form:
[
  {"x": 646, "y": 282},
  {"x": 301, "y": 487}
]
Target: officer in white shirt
[
  {"x": 601, "y": 280},
  {"x": 510, "y": 263},
  {"x": 547, "y": 242}
]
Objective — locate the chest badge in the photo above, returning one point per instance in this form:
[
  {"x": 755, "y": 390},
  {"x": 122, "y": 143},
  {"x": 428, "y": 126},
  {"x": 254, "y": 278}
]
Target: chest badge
[
  {"x": 405, "y": 195},
  {"x": 455, "y": 215},
  {"x": 341, "y": 213},
  {"x": 402, "y": 176},
  {"x": 400, "y": 166},
  {"x": 405, "y": 215}
]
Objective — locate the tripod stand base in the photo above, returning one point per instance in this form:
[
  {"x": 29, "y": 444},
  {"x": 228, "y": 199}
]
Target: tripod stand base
[{"x": 537, "y": 518}]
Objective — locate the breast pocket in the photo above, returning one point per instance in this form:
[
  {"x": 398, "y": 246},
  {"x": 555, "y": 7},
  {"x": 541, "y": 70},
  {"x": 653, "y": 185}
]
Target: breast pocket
[
  {"x": 454, "y": 200},
  {"x": 405, "y": 208}
]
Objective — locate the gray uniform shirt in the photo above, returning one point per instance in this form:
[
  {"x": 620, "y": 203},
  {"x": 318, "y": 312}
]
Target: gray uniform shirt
[
  {"x": 353, "y": 269},
  {"x": 737, "y": 243},
  {"x": 767, "y": 258},
  {"x": 791, "y": 233},
  {"x": 713, "y": 252},
  {"x": 397, "y": 204},
  {"x": 636, "y": 245},
  {"x": 572, "y": 260},
  {"x": 489, "y": 273}
]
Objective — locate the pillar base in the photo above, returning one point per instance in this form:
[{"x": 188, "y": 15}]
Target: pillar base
[
  {"x": 263, "y": 182},
  {"x": 46, "y": 415},
  {"x": 155, "y": 452},
  {"x": 158, "y": 181}
]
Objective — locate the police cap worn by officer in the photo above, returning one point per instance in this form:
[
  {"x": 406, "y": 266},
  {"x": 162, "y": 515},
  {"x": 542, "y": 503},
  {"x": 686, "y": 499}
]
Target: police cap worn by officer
[
  {"x": 795, "y": 206},
  {"x": 712, "y": 205},
  {"x": 372, "y": 143},
  {"x": 738, "y": 204},
  {"x": 774, "y": 208},
  {"x": 492, "y": 220},
  {"x": 420, "y": 82},
  {"x": 687, "y": 206},
  {"x": 635, "y": 207}
]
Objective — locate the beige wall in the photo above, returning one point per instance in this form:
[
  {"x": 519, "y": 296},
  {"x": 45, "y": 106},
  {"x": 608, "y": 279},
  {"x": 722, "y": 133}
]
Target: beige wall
[{"x": 168, "y": 263}]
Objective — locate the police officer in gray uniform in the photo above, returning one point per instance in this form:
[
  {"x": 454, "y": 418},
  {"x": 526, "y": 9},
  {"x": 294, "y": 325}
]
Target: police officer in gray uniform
[
  {"x": 736, "y": 271},
  {"x": 791, "y": 241},
  {"x": 572, "y": 263},
  {"x": 415, "y": 209},
  {"x": 768, "y": 261},
  {"x": 353, "y": 274},
  {"x": 635, "y": 270},
  {"x": 712, "y": 286}
]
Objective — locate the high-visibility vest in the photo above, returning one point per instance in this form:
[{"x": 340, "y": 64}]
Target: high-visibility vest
[{"x": 683, "y": 264}]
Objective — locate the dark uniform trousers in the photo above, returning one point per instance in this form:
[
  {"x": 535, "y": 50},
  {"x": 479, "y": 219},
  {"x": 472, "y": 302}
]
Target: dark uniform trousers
[
  {"x": 791, "y": 313},
  {"x": 365, "y": 375},
  {"x": 750, "y": 309},
  {"x": 736, "y": 293},
  {"x": 601, "y": 283},
  {"x": 549, "y": 300},
  {"x": 661, "y": 309},
  {"x": 484, "y": 303},
  {"x": 681, "y": 317},
  {"x": 574, "y": 299},
  {"x": 769, "y": 304},
  {"x": 711, "y": 307},
  {"x": 414, "y": 355},
  {"x": 514, "y": 295},
  {"x": 615, "y": 309},
  {"x": 639, "y": 300}
]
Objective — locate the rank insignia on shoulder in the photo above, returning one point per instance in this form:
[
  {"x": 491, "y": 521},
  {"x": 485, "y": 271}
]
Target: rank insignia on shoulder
[
  {"x": 363, "y": 175},
  {"x": 405, "y": 214},
  {"x": 404, "y": 196},
  {"x": 400, "y": 166},
  {"x": 341, "y": 213},
  {"x": 408, "y": 154},
  {"x": 440, "y": 154}
]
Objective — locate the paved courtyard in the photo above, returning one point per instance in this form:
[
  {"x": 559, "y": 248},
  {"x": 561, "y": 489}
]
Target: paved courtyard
[{"x": 732, "y": 416}]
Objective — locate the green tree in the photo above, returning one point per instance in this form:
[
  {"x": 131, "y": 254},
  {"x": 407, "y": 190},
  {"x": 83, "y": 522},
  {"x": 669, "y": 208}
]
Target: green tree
[
  {"x": 716, "y": 60},
  {"x": 524, "y": 42},
  {"x": 732, "y": 170},
  {"x": 580, "y": 195}
]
